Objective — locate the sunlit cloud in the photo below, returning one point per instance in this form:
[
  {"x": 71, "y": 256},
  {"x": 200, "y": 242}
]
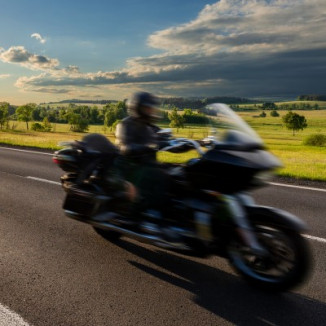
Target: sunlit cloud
[
  {"x": 38, "y": 37},
  {"x": 3, "y": 76},
  {"x": 232, "y": 47},
  {"x": 19, "y": 55}
]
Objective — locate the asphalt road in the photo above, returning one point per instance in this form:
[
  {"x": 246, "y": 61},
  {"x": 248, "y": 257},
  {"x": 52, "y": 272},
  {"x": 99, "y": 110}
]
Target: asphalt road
[{"x": 56, "y": 271}]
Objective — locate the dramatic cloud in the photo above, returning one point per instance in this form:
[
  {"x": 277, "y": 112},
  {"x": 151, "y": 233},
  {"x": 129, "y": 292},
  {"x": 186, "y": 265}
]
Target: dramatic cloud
[
  {"x": 19, "y": 55},
  {"x": 234, "y": 47},
  {"x": 253, "y": 26},
  {"x": 38, "y": 37}
]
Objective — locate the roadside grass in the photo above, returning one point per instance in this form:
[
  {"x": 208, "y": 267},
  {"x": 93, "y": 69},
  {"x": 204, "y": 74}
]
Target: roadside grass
[{"x": 300, "y": 161}]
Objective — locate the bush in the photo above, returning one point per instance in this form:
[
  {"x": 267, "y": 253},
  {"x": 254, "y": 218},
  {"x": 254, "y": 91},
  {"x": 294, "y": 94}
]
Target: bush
[
  {"x": 274, "y": 113},
  {"x": 37, "y": 127},
  {"x": 46, "y": 124},
  {"x": 315, "y": 140}
]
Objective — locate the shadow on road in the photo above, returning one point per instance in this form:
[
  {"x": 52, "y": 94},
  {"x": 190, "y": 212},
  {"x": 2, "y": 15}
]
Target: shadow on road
[{"x": 225, "y": 295}]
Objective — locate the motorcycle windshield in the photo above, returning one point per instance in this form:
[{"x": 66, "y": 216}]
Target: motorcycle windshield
[{"x": 222, "y": 120}]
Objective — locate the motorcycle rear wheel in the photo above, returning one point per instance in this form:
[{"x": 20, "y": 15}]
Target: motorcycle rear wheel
[{"x": 285, "y": 266}]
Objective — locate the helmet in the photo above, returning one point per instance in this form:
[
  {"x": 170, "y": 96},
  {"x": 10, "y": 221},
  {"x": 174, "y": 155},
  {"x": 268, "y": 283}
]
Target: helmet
[{"x": 143, "y": 105}]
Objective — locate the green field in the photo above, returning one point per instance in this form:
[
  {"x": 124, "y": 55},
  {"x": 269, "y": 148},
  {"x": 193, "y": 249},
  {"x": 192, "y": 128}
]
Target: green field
[{"x": 299, "y": 161}]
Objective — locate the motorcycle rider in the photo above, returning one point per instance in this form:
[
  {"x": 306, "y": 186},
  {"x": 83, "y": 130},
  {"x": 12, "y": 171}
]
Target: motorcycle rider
[{"x": 138, "y": 140}]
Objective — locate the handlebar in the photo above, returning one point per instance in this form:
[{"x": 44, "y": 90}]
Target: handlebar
[{"x": 196, "y": 144}]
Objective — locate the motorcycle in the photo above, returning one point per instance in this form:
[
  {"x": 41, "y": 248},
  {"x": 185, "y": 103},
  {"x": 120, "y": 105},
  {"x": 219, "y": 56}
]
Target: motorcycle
[{"x": 212, "y": 212}]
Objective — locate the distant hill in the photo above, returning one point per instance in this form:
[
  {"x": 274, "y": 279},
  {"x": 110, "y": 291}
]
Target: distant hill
[
  {"x": 198, "y": 102},
  {"x": 76, "y": 101}
]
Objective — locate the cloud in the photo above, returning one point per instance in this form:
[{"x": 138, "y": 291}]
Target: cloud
[
  {"x": 38, "y": 37},
  {"x": 232, "y": 47},
  {"x": 3, "y": 76},
  {"x": 52, "y": 90},
  {"x": 236, "y": 25},
  {"x": 19, "y": 55}
]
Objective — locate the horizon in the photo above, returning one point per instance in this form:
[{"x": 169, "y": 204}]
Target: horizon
[{"x": 192, "y": 48}]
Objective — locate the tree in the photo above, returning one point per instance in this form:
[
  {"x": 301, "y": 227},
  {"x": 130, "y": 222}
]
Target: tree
[
  {"x": 177, "y": 120},
  {"x": 4, "y": 114},
  {"x": 77, "y": 122},
  {"x": 95, "y": 115},
  {"x": 110, "y": 117},
  {"x": 46, "y": 124},
  {"x": 269, "y": 106},
  {"x": 294, "y": 121},
  {"x": 25, "y": 112},
  {"x": 114, "y": 112},
  {"x": 274, "y": 113},
  {"x": 263, "y": 114}
]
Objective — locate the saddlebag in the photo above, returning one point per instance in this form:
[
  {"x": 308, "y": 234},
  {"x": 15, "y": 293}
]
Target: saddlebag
[{"x": 83, "y": 201}]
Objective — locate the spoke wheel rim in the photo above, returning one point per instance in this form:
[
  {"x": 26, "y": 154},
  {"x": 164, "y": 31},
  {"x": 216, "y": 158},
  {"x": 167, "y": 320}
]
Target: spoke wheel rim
[{"x": 277, "y": 266}]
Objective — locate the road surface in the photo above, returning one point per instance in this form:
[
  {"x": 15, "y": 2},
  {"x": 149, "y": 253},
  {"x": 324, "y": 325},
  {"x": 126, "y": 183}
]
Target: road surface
[{"x": 56, "y": 271}]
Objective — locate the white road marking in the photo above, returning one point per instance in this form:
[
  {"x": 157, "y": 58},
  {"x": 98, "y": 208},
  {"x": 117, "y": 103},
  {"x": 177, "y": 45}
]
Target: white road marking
[
  {"x": 310, "y": 237},
  {"x": 10, "y": 318},
  {"x": 25, "y": 151},
  {"x": 297, "y": 187},
  {"x": 44, "y": 180}
]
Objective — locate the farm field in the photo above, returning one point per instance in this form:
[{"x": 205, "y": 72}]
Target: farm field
[{"x": 299, "y": 161}]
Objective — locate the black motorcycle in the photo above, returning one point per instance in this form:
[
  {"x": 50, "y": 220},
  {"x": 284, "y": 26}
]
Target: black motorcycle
[{"x": 211, "y": 210}]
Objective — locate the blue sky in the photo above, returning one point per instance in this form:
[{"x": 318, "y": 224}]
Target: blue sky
[{"x": 57, "y": 50}]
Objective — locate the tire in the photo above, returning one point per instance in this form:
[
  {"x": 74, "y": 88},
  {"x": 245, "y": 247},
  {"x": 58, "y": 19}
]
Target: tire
[
  {"x": 111, "y": 236},
  {"x": 286, "y": 265}
]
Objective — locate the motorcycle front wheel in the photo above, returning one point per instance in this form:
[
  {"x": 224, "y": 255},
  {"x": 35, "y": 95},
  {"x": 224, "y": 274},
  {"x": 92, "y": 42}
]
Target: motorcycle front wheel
[{"x": 285, "y": 265}]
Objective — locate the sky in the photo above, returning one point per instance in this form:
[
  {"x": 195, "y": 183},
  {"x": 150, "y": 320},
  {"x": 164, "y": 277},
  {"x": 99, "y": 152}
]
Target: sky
[{"x": 108, "y": 49}]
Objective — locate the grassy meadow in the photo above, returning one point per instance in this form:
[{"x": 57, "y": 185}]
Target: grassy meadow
[{"x": 300, "y": 161}]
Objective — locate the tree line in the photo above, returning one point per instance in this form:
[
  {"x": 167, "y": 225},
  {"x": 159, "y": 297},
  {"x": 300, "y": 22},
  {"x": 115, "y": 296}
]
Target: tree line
[
  {"x": 311, "y": 97},
  {"x": 79, "y": 117},
  {"x": 195, "y": 103},
  {"x": 274, "y": 106}
]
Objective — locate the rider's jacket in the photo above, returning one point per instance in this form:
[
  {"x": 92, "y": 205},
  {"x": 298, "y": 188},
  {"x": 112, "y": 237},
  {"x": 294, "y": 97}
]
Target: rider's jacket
[{"x": 137, "y": 138}]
